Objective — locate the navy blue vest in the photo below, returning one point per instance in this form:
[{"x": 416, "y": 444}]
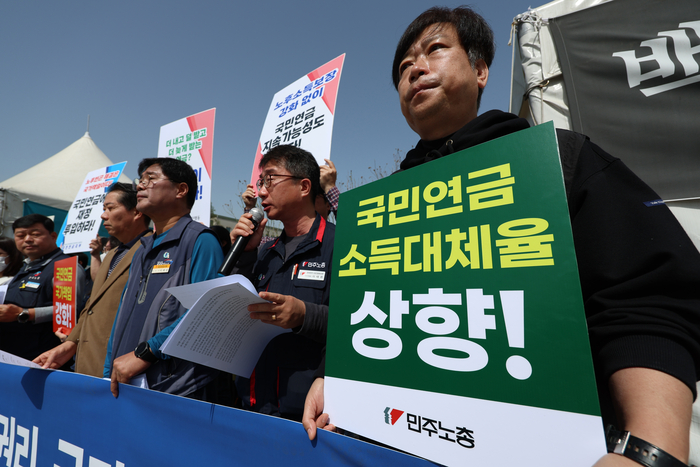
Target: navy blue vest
[
  {"x": 32, "y": 287},
  {"x": 147, "y": 309}
]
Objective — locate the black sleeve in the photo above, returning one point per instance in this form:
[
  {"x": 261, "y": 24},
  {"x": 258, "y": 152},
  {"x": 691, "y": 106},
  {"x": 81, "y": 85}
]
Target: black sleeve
[
  {"x": 640, "y": 273},
  {"x": 246, "y": 263},
  {"x": 315, "y": 325},
  {"x": 321, "y": 371}
]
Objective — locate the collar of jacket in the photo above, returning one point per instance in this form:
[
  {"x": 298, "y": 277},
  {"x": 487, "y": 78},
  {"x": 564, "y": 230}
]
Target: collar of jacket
[
  {"x": 43, "y": 261},
  {"x": 315, "y": 234},
  {"x": 486, "y": 127},
  {"x": 171, "y": 235}
]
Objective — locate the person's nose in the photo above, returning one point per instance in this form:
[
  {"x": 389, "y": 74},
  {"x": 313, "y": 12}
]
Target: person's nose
[{"x": 420, "y": 67}]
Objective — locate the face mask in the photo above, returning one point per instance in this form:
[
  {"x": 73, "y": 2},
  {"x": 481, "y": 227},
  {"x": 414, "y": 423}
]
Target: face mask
[{"x": 3, "y": 263}]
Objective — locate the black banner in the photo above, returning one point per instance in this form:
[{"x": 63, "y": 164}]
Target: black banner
[{"x": 632, "y": 76}]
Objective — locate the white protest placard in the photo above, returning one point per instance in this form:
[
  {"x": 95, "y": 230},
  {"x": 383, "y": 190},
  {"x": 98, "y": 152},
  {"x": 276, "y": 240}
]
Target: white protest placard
[
  {"x": 191, "y": 139},
  {"x": 302, "y": 114},
  {"x": 217, "y": 331},
  {"x": 83, "y": 219}
]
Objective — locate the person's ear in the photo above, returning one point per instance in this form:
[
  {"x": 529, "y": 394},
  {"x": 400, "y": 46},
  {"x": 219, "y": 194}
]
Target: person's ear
[
  {"x": 182, "y": 190},
  {"x": 482, "y": 73},
  {"x": 305, "y": 187}
]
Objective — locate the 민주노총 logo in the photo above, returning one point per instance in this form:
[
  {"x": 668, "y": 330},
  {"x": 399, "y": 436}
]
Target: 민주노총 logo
[
  {"x": 459, "y": 435},
  {"x": 391, "y": 416}
]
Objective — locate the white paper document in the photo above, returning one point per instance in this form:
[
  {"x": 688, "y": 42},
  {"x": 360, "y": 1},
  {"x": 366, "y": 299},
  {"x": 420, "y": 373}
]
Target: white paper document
[
  {"x": 140, "y": 381},
  {"x": 217, "y": 331},
  {"x": 15, "y": 360}
]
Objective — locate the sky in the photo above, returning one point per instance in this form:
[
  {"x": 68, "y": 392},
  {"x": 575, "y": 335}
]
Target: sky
[{"x": 133, "y": 66}]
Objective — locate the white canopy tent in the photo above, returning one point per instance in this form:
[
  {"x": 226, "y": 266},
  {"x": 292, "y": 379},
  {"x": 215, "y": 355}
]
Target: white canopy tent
[{"x": 53, "y": 183}]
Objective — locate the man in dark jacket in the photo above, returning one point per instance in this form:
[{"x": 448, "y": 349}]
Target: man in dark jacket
[
  {"x": 26, "y": 324},
  {"x": 293, "y": 272},
  {"x": 636, "y": 264}
]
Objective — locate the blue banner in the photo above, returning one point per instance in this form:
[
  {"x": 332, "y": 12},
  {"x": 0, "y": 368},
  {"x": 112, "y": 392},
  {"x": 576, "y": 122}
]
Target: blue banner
[{"x": 53, "y": 418}]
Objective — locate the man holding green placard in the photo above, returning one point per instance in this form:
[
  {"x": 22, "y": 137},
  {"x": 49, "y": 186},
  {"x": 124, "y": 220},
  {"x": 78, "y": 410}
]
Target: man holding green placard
[{"x": 636, "y": 263}]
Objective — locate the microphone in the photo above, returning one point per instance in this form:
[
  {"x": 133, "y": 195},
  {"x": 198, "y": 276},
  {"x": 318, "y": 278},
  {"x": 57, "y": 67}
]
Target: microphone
[{"x": 239, "y": 245}]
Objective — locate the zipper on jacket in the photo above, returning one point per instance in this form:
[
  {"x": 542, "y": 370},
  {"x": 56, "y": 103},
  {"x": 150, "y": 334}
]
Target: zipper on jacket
[{"x": 143, "y": 287}]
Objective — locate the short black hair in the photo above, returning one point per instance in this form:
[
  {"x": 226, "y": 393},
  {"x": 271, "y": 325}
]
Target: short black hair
[
  {"x": 127, "y": 197},
  {"x": 31, "y": 219},
  {"x": 177, "y": 171},
  {"x": 14, "y": 261},
  {"x": 298, "y": 162},
  {"x": 475, "y": 35}
]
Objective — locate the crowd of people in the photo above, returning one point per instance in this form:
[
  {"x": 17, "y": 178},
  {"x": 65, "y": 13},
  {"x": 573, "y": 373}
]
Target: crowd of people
[
  {"x": 639, "y": 271},
  {"x": 129, "y": 314}
]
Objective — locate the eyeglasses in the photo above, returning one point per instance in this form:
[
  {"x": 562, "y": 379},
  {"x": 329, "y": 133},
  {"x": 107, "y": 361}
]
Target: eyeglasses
[
  {"x": 146, "y": 182},
  {"x": 266, "y": 180}
]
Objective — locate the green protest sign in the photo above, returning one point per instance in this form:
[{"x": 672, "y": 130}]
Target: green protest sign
[{"x": 455, "y": 291}]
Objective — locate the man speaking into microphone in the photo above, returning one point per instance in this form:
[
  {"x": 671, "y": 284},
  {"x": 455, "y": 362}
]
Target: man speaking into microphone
[{"x": 293, "y": 274}]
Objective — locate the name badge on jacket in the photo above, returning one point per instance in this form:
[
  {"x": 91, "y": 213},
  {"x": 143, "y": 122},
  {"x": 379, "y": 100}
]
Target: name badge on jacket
[
  {"x": 312, "y": 275},
  {"x": 161, "y": 267}
]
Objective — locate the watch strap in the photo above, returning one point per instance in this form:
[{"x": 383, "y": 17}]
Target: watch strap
[
  {"x": 638, "y": 450},
  {"x": 143, "y": 351},
  {"x": 23, "y": 316}
]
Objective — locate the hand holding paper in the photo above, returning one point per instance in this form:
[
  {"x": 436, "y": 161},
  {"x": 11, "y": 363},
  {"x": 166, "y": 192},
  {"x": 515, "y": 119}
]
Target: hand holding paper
[
  {"x": 284, "y": 311},
  {"x": 217, "y": 331}
]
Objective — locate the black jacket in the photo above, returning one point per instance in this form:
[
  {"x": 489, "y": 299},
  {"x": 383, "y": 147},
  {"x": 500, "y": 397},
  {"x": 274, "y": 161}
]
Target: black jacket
[
  {"x": 640, "y": 273},
  {"x": 31, "y": 287},
  {"x": 285, "y": 370}
]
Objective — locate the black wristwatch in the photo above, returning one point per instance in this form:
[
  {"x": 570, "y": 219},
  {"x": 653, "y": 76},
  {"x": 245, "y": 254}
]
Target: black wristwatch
[
  {"x": 23, "y": 316},
  {"x": 143, "y": 351},
  {"x": 640, "y": 451}
]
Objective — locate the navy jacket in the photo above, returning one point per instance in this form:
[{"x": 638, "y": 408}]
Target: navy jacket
[
  {"x": 285, "y": 370},
  {"x": 31, "y": 287}
]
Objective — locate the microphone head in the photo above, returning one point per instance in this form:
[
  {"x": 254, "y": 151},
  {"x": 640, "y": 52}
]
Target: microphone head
[{"x": 257, "y": 214}]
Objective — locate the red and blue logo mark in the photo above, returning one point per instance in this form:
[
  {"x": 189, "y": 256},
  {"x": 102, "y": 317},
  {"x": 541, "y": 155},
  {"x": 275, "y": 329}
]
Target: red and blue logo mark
[{"x": 391, "y": 416}]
